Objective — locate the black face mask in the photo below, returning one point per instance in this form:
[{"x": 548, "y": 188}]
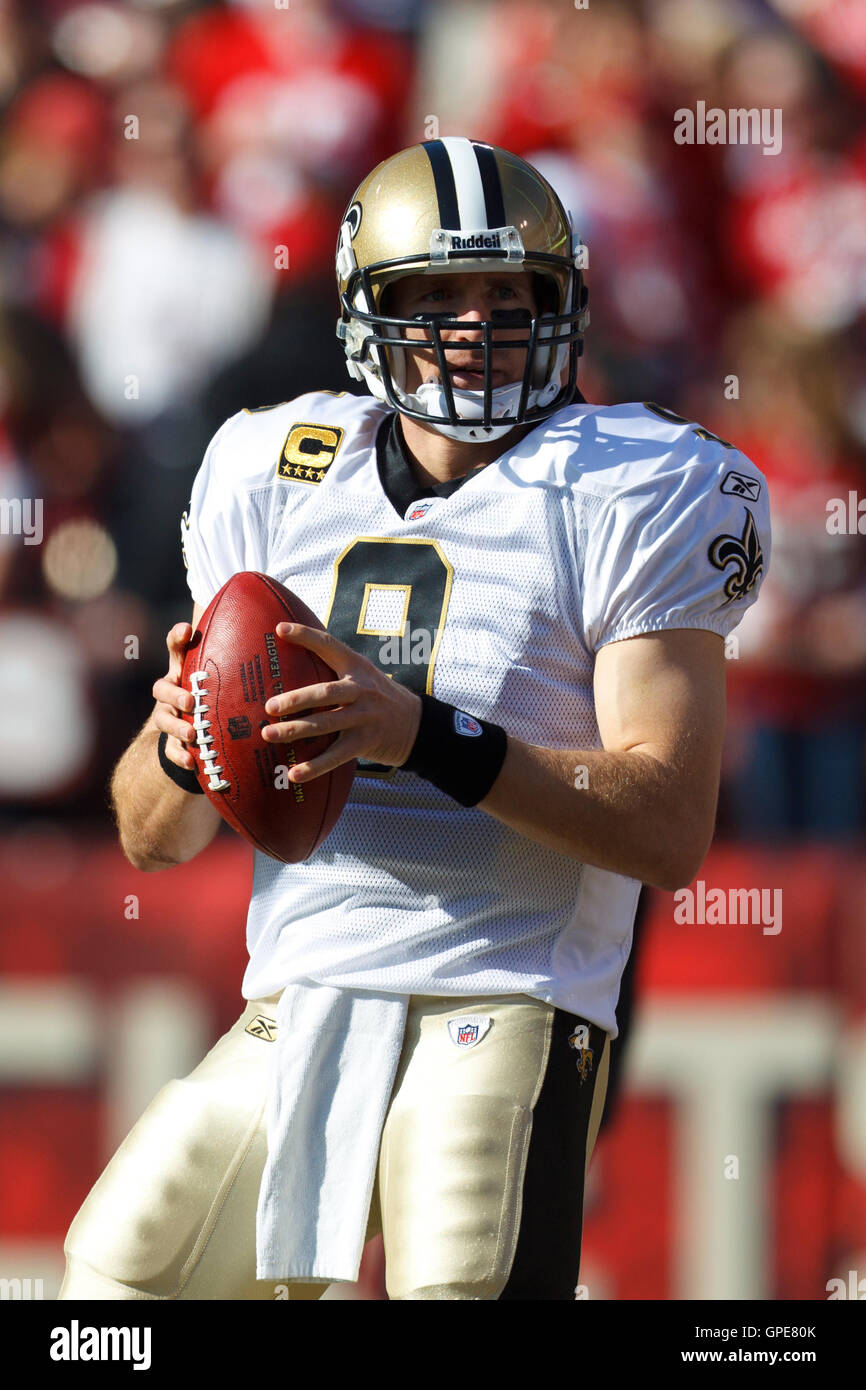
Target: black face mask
[{"x": 508, "y": 318}]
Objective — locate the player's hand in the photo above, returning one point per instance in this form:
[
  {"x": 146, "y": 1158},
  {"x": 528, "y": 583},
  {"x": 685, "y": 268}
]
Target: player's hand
[
  {"x": 375, "y": 717},
  {"x": 171, "y": 699}
]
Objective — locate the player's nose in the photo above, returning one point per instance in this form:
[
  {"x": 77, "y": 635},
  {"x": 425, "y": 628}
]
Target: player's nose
[{"x": 469, "y": 316}]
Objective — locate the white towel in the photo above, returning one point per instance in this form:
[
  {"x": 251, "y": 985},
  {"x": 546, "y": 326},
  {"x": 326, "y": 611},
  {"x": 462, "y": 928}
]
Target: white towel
[{"x": 333, "y": 1070}]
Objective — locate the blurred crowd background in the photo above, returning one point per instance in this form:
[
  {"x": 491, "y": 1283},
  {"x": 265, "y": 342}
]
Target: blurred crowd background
[
  {"x": 155, "y": 158},
  {"x": 172, "y": 177}
]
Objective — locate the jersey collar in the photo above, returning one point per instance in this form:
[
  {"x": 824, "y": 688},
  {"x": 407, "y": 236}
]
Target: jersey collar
[{"x": 399, "y": 483}]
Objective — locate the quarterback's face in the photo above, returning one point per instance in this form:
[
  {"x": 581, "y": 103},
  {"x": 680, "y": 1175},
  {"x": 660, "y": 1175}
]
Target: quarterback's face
[{"x": 471, "y": 298}]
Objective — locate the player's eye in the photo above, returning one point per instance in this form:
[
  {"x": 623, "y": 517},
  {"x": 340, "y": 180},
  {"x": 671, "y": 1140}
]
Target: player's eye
[{"x": 427, "y": 300}]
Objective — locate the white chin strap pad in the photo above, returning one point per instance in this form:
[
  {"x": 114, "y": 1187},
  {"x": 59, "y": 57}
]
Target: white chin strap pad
[
  {"x": 469, "y": 405},
  {"x": 430, "y": 399}
]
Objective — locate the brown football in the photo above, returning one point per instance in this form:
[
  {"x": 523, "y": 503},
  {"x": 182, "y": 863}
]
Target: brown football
[{"x": 234, "y": 663}]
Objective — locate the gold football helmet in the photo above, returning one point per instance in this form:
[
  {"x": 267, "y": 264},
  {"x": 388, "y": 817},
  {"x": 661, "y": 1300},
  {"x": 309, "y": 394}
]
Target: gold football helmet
[{"x": 457, "y": 205}]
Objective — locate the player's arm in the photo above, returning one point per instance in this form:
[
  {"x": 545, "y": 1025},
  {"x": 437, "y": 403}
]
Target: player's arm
[
  {"x": 159, "y": 823},
  {"x": 647, "y": 808},
  {"x": 645, "y": 803}
]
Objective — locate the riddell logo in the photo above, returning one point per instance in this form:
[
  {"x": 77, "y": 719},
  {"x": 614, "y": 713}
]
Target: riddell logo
[{"x": 477, "y": 242}]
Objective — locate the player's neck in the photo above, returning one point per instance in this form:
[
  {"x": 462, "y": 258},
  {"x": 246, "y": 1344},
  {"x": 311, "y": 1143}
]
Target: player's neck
[{"x": 435, "y": 458}]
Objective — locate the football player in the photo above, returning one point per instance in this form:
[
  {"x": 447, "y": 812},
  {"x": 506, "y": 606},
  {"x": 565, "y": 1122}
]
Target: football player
[{"x": 526, "y": 599}]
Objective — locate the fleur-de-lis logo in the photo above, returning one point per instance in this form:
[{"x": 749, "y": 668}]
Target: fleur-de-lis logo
[{"x": 744, "y": 552}]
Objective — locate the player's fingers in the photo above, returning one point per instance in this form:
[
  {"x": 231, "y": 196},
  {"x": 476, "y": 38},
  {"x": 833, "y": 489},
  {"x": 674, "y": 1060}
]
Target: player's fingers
[
  {"x": 177, "y": 639},
  {"x": 167, "y": 692},
  {"x": 178, "y": 754},
  {"x": 343, "y": 692},
  {"x": 166, "y": 720},
  {"x": 338, "y": 656},
  {"x": 342, "y": 750},
  {"x": 177, "y": 642},
  {"x": 313, "y": 726},
  {"x": 178, "y": 635}
]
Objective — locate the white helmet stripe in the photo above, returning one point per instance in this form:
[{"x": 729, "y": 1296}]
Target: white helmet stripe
[{"x": 467, "y": 179}]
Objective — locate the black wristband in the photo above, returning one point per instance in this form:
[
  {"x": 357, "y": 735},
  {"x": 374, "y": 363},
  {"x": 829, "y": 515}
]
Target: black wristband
[
  {"x": 183, "y": 776},
  {"x": 459, "y": 754}
]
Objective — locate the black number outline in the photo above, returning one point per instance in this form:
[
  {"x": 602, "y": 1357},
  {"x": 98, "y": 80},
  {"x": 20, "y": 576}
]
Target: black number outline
[{"x": 439, "y": 595}]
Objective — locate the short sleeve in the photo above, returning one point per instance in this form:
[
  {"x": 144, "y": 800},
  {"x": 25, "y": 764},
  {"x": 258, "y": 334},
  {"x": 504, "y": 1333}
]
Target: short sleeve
[
  {"x": 220, "y": 531},
  {"x": 685, "y": 547}
]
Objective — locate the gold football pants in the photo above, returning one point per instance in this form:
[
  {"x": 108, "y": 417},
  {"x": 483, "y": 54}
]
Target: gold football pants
[{"x": 479, "y": 1191}]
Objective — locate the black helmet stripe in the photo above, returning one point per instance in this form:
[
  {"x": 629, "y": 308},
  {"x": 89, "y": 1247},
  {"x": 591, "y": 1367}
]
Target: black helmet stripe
[
  {"x": 494, "y": 202},
  {"x": 446, "y": 188}
]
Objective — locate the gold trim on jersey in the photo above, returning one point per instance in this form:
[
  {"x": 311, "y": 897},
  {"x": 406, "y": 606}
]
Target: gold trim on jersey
[
  {"x": 398, "y": 631},
  {"x": 449, "y": 579},
  {"x": 306, "y": 465},
  {"x": 259, "y": 409}
]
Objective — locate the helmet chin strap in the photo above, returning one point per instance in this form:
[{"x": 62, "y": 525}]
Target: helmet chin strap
[
  {"x": 469, "y": 405},
  {"x": 472, "y": 434},
  {"x": 430, "y": 398}
]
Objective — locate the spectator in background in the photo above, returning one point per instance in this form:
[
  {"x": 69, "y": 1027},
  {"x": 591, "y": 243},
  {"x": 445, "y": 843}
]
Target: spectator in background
[
  {"x": 706, "y": 261},
  {"x": 794, "y": 243},
  {"x": 797, "y": 687},
  {"x": 197, "y": 259},
  {"x": 163, "y": 293},
  {"x": 680, "y": 313}
]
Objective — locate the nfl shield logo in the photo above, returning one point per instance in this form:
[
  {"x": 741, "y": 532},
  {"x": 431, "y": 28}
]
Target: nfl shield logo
[
  {"x": 467, "y": 1031},
  {"x": 420, "y": 509}
]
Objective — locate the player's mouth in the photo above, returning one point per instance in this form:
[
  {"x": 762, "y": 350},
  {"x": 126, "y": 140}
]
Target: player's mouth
[{"x": 466, "y": 380}]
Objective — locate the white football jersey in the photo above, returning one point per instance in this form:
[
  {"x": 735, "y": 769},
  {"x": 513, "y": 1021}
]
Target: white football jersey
[{"x": 603, "y": 522}]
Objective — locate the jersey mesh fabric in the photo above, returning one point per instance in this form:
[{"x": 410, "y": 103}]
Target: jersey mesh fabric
[
  {"x": 411, "y": 892},
  {"x": 593, "y": 527}
]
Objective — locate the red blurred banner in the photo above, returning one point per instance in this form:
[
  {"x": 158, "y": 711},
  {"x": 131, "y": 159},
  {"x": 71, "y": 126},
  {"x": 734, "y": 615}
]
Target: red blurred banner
[{"x": 735, "y": 1162}]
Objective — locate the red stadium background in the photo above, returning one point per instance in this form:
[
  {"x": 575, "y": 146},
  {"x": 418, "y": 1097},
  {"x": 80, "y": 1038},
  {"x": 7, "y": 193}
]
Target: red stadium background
[
  {"x": 171, "y": 180},
  {"x": 746, "y": 1043}
]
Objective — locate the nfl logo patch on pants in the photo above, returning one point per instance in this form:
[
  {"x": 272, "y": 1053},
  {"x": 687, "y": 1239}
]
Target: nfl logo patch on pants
[{"x": 467, "y": 1031}]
